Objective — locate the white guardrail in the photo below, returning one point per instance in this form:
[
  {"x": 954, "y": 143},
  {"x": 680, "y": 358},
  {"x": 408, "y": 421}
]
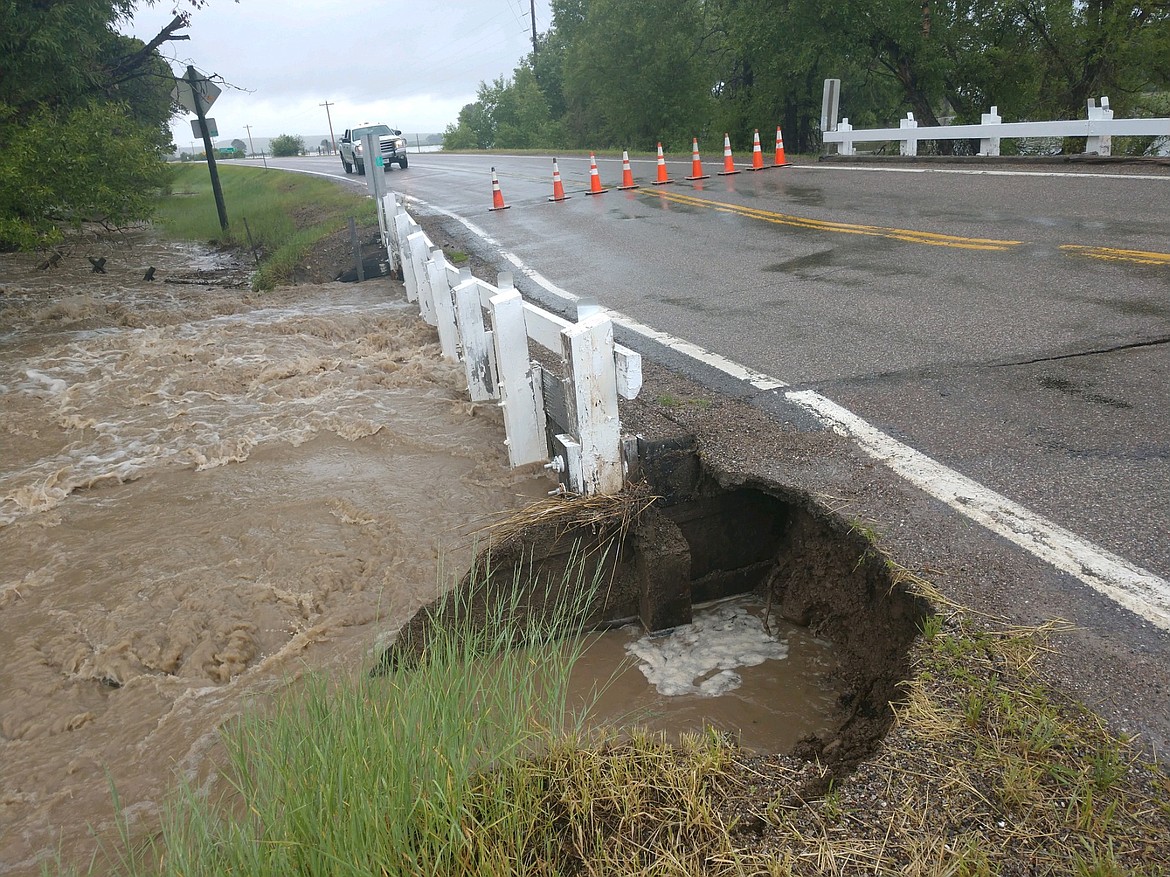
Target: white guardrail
[
  {"x": 587, "y": 454},
  {"x": 1099, "y": 129}
]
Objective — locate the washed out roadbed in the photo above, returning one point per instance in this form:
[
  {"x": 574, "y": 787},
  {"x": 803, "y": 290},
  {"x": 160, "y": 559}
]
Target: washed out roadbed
[{"x": 992, "y": 763}]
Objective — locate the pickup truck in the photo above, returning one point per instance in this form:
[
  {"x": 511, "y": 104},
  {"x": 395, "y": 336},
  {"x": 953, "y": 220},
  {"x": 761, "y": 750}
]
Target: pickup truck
[{"x": 391, "y": 140}]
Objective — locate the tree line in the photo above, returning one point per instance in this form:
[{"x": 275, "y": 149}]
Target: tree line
[
  {"x": 84, "y": 118},
  {"x": 614, "y": 73}
]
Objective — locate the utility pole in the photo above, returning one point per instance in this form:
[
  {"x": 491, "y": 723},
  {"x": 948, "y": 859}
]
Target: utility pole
[
  {"x": 332, "y": 141},
  {"x": 250, "y": 146},
  {"x": 532, "y": 15},
  {"x": 194, "y": 80}
]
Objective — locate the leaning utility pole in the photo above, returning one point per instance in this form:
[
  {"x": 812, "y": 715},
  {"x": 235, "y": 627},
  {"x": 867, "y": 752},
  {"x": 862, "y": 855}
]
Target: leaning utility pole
[
  {"x": 332, "y": 140},
  {"x": 250, "y": 146},
  {"x": 194, "y": 79}
]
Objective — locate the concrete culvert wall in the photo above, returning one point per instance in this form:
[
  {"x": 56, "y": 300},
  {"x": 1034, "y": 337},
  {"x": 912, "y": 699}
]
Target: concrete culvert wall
[{"x": 689, "y": 535}]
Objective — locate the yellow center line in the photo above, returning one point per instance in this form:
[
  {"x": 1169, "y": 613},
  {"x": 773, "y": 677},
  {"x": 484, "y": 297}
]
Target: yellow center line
[
  {"x": 898, "y": 234},
  {"x": 1111, "y": 255}
]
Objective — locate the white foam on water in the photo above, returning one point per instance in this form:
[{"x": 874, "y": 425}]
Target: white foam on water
[
  {"x": 213, "y": 380},
  {"x": 702, "y": 657}
]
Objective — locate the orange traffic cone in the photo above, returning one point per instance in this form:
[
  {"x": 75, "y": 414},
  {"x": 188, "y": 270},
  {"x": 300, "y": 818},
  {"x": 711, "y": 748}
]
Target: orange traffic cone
[
  {"x": 757, "y": 155},
  {"x": 594, "y": 177},
  {"x": 696, "y": 165},
  {"x": 627, "y": 174},
  {"x": 497, "y": 195},
  {"x": 558, "y": 186},
  {"x": 780, "y": 162},
  {"x": 662, "y": 178},
  {"x": 728, "y": 165}
]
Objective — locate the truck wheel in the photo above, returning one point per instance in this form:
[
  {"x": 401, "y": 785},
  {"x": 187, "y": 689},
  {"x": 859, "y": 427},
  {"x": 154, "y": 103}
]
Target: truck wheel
[
  {"x": 348, "y": 167},
  {"x": 402, "y": 162},
  {"x": 360, "y": 165}
]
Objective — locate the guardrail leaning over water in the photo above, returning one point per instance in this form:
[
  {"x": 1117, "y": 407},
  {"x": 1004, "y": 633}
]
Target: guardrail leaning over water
[{"x": 576, "y": 395}]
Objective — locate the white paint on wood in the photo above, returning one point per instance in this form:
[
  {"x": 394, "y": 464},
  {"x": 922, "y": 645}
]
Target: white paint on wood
[
  {"x": 443, "y": 304},
  {"x": 475, "y": 341},
  {"x": 587, "y": 350},
  {"x": 519, "y": 386},
  {"x": 419, "y": 247},
  {"x": 409, "y": 281}
]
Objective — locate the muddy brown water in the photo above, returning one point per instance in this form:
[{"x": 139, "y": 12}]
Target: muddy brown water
[
  {"x": 205, "y": 491},
  {"x": 765, "y": 689}
]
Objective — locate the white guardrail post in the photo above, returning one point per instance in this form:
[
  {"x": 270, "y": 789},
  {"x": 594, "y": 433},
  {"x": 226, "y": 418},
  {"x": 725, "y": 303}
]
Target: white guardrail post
[
  {"x": 1102, "y": 144},
  {"x": 521, "y": 396},
  {"x": 844, "y": 134},
  {"x": 420, "y": 252},
  {"x": 1098, "y": 129},
  {"x": 498, "y": 365},
  {"x": 591, "y": 399},
  {"x": 476, "y": 340},
  {"x": 388, "y": 218},
  {"x": 444, "y": 304},
  {"x": 403, "y": 228},
  {"x": 990, "y": 145},
  {"x": 909, "y": 146}
]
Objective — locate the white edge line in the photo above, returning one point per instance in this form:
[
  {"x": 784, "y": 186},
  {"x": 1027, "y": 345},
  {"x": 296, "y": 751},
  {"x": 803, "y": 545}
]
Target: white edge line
[
  {"x": 1137, "y": 589},
  {"x": 739, "y": 372},
  {"x": 1131, "y": 586}
]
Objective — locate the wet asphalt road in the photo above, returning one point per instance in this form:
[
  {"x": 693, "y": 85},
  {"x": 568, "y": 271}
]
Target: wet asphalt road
[
  {"x": 1013, "y": 326},
  {"x": 1031, "y": 367}
]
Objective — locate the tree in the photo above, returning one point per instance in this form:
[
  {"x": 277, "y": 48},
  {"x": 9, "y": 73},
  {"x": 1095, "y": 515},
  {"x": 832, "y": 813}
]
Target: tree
[
  {"x": 473, "y": 130},
  {"x": 635, "y": 74},
  {"x": 615, "y": 73},
  {"x": 240, "y": 147},
  {"x": 111, "y": 185},
  {"x": 286, "y": 145},
  {"x": 76, "y": 94}
]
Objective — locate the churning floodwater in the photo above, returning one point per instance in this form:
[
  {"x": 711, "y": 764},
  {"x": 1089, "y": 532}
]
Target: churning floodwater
[{"x": 205, "y": 491}]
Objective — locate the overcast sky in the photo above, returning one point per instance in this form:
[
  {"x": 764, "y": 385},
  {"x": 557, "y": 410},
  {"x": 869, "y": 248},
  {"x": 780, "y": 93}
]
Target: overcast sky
[{"x": 411, "y": 64}]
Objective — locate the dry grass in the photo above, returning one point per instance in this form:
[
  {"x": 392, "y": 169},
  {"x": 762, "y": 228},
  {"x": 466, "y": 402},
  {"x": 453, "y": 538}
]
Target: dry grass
[
  {"x": 568, "y": 512},
  {"x": 636, "y": 806},
  {"x": 987, "y": 772}
]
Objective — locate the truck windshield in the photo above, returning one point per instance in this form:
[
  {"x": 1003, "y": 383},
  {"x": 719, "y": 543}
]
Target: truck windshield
[{"x": 359, "y": 133}]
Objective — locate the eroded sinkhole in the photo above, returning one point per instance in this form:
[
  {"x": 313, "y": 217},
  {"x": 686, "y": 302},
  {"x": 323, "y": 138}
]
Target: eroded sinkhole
[{"x": 692, "y": 546}]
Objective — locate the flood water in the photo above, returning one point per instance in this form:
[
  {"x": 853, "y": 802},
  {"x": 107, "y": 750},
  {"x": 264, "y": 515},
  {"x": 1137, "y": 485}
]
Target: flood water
[
  {"x": 204, "y": 491},
  {"x": 764, "y": 687}
]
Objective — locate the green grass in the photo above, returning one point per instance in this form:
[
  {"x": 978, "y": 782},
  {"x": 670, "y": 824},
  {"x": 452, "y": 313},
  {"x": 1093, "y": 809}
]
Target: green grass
[
  {"x": 287, "y": 213},
  {"x": 396, "y": 773},
  {"x": 668, "y": 400}
]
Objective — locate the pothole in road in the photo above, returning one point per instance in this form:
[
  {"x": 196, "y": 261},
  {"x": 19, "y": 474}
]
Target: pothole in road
[{"x": 748, "y": 607}]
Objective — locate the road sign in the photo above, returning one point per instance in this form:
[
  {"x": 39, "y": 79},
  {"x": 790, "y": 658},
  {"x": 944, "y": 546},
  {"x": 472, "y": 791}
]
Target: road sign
[
  {"x": 184, "y": 96},
  {"x": 196, "y": 131}
]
